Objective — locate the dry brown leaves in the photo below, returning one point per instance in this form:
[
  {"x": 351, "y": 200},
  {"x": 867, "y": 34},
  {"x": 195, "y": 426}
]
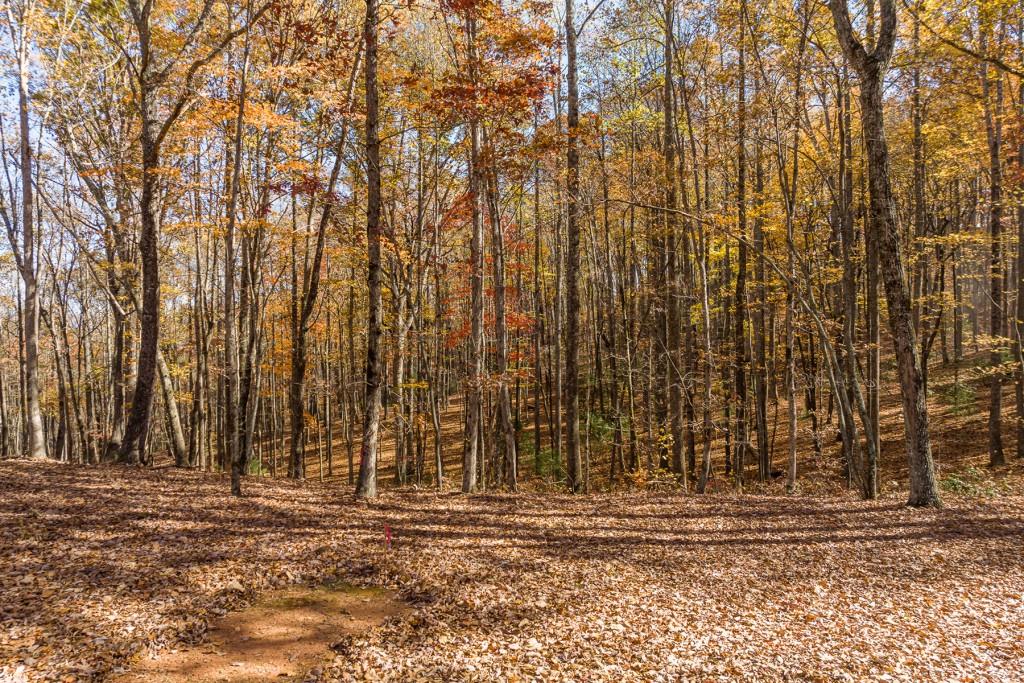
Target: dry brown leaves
[{"x": 97, "y": 565}]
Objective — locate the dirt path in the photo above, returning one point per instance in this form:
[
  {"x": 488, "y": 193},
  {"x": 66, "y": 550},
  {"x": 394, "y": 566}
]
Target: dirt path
[{"x": 282, "y": 637}]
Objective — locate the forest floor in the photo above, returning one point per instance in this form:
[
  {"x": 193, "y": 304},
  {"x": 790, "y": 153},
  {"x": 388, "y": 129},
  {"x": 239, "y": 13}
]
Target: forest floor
[{"x": 101, "y": 566}]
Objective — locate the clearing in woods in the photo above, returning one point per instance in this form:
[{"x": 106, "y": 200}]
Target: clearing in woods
[{"x": 100, "y": 567}]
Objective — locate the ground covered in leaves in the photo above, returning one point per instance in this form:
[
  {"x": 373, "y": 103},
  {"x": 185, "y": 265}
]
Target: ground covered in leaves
[{"x": 98, "y": 566}]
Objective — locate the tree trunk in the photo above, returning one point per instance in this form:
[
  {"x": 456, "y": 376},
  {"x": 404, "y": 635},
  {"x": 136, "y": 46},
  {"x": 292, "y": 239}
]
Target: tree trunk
[
  {"x": 366, "y": 486},
  {"x": 234, "y": 456},
  {"x": 28, "y": 261},
  {"x": 882, "y": 224},
  {"x": 673, "y": 341},
  {"x": 179, "y": 449},
  {"x": 472, "y": 454},
  {"x": 137, "y": 425},
  {"x": 572, "y": 304},
  {"x": 994, "y": 132}
]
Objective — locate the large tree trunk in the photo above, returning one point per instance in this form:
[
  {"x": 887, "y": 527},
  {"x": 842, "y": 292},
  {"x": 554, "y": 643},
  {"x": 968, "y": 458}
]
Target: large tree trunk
[
  {"x": 137, "y": 426},
  {"x": 882, "y": 224},
  {"x": 993, "y": 103},
  {"x": 234, "y": 454},
  {"x": 27, "y": 260},
  {"x": 923, "y": 487},
  {"x": 739, "y": 337},
  {"x": 673, "y": 364},
  {"x": 366, "y": 486},
  {"x": 572, "y": 304},
  {"x": 474, "y": 389}
]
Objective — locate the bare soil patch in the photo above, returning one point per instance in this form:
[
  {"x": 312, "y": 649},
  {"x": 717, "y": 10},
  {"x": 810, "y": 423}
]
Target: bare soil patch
[{"x": 283, "y": 636}]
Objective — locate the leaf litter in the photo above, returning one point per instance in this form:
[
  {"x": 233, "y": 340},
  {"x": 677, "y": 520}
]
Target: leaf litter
[{"x": 100, "y": 567}]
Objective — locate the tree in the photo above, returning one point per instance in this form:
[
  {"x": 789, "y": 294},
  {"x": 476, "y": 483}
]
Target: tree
[
  {"x": 620, "y": 238},
  {"x": 19, "y": 24},
  {"x": 993, "y": 105},
  {"x": 571, "y": 397},
  {"x": 673, "y": 304},
  {"x": 870, "y": 67},
  {"x": 366, "y": 487},
  {"x": 236, "y": 456},
  {"x": 155, "y": 74}
]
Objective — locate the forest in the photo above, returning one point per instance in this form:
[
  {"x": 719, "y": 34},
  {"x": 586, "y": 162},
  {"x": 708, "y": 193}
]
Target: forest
[{"x": 511, "y": 340}]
